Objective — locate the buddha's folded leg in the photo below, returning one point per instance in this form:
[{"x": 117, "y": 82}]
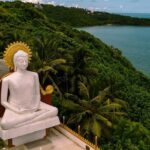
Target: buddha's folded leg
[
  {"x": 11, "y": 119},
  {"x": 45, "y": 112},
  {"x": 53, "y": 110}
]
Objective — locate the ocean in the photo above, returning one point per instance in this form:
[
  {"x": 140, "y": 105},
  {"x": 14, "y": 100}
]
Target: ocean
[
  {"x": 139, "y": 15},
  {"x": 133, "y": 41}
]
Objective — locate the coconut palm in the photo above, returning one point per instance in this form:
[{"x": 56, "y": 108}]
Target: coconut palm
[
  {"x": 48, "y": 62},
  {"x": 16, "y": 35},
  {"x": 81, "y": 70},
  {"x": 47, "y": 70},
  {"x": 95, "y": 115}
]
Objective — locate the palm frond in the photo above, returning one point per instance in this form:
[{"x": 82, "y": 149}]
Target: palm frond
[
  {"x": 70, "y": 105},
  {"x": 83, "y": 90},
  {"x": 47, "y": 68},
  {"x": 121, "y": 102},
  {"x": 114, "y": 113},
  {"x": 57, "y": 62},
  {"x": 96, "y": 127},
  {"x": 86, "y": 124},
  {"x": 104, "y": 92},
  {"x": 109, "y": 107},
  {"x": 104, "y": 120},
  {"x": 108, "y": 101},
  {"x": 71, "y": 96},
  {"x": 101, "y": 96},
  {"x": 76, "y": 119},
  {"x": 82, "y": 78},
  {"x": 85, "y": 103},
  {"x": 63, "y": 68},
  {"x": 97, "y": 99}
]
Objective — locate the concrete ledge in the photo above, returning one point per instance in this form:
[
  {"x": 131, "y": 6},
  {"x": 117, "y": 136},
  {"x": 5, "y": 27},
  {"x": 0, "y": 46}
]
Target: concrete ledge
[{"x": 75, "y": 137}]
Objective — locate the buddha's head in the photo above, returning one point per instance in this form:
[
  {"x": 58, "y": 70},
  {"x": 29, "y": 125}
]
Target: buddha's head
[{"x": 20, "y": 60}]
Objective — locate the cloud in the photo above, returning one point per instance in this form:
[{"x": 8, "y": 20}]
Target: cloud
[
  {"x": 105, "y": 8},
  {"x": 41, "y": 1},
  {"x": 52, "y": 3},
  {"x": 76, "y": 5},
  {"x": 121, "y": 6},
  {"x": 33, "y": 1},
  {"x": 61, "y": 4},
  {"x": 97, "y": 8}
]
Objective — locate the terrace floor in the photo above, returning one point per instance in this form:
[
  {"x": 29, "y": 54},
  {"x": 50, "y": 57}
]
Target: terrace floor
[{"x": 54, "y": 141}]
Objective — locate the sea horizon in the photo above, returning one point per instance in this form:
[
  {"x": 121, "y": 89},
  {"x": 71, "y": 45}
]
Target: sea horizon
[{"x": 138, "y": 15}]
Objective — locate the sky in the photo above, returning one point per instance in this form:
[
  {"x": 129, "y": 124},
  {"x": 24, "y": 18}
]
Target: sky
[{"x": 129, "y": 6}]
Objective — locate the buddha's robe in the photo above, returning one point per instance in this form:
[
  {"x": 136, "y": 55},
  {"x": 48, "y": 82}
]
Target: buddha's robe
[{"x": 20, "y": 95}]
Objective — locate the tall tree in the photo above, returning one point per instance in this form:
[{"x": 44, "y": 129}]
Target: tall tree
[{"x": 95, "y": 115}]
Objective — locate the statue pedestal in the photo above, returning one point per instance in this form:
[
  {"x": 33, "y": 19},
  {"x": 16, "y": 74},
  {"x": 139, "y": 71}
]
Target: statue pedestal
[
  {"x": 29, "y": 137},
  {"x": 30, "y": 132}
]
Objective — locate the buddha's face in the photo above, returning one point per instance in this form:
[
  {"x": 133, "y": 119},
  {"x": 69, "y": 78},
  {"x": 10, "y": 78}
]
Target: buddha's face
[{"x": 22, "y": 62}]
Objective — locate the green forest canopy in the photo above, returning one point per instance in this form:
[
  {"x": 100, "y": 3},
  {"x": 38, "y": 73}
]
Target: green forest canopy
[{"x": 79, "y": 55}]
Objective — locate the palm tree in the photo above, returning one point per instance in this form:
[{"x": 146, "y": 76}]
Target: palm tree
[
  {"x": 95, "y": 115},
  {"x": 47, "y": 70},
  {"x": 81, "y": 70},
  {"x": 47, "y": 63},
  {"x": 16, "y": 35}
]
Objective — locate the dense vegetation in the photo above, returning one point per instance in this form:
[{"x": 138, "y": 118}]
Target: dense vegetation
[
  {"x": 82, "y": 17},
  {"x": 94, "y": 84}
]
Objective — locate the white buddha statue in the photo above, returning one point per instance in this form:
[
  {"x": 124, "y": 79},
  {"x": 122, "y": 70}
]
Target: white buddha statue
[{"x": 20, "y": 95}]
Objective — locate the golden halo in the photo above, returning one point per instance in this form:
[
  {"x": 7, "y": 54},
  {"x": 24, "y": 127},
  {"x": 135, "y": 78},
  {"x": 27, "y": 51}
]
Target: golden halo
[{"x": 12, "y": 49}]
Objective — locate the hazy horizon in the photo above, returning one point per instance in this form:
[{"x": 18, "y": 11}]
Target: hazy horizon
[{"x": 113, "y": 6}]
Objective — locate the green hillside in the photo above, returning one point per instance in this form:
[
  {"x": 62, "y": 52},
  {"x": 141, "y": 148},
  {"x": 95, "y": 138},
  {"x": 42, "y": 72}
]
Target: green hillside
[
  {"x": 79, "y": 66},
  {"x": 82, "y": 17}
]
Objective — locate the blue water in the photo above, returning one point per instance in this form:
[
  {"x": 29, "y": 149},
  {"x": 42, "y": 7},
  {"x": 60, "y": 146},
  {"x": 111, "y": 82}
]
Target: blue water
[
  {"x": 133, "y": 41},
  {"x": 139, "y": 15}
]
